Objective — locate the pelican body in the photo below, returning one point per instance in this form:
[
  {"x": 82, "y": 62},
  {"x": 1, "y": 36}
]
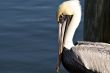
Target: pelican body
[{"x": 82, "y": 57}]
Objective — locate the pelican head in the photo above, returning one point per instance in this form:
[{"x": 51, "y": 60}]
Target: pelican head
[{"x": 68, "y": 18}]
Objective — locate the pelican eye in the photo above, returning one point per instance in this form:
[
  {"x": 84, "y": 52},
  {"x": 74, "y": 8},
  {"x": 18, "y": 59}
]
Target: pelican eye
[{"x": 62, "y": 18}]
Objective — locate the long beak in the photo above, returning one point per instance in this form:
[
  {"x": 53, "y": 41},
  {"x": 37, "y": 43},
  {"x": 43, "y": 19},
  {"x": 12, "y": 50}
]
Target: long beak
[
  {"x": 60, "y": 43},
  {"x": 63, "y": 26},
  {"x": 62, "y": 30},
  {"x": 61, "y": 36}
]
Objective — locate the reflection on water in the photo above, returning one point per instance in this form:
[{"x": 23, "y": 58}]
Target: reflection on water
[{"x": 28, "y": 36}]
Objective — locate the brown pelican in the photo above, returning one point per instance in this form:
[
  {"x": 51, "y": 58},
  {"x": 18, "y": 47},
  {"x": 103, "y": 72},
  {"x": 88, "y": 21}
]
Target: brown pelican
[{"x": 83, "y": 57}]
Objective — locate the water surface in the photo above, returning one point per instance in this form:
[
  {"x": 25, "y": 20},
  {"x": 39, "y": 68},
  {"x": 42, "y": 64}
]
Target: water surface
[{"x": 28, "y": 36}]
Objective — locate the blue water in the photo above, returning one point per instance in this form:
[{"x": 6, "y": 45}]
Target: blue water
[{"x": 28, "y": 36}]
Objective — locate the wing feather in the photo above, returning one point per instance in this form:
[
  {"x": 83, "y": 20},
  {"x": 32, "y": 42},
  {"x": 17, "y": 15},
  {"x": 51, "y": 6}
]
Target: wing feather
[{"x": 95, "y": 56}]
